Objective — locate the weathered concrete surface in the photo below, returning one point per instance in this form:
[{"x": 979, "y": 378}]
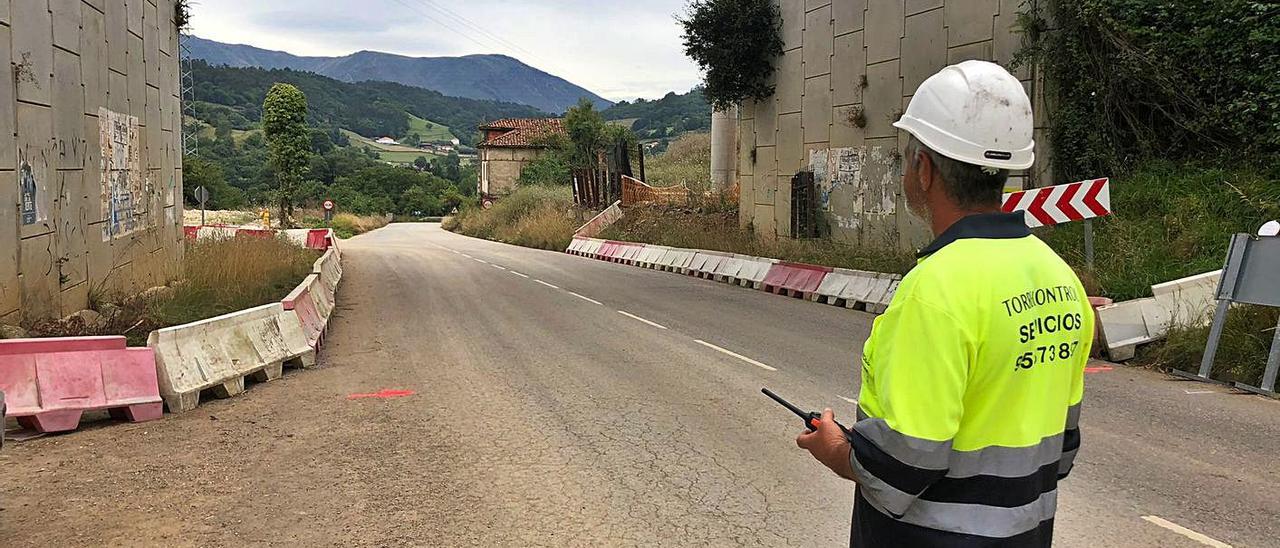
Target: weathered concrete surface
[
  {"x": 849, "y": 69},
  {"x": 543, "y": 419},
  {"x": 88, "y": 88}
]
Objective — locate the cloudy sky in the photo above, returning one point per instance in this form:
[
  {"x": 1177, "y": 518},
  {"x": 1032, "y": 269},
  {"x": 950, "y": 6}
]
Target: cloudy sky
[{"x": 620, "y": 49}]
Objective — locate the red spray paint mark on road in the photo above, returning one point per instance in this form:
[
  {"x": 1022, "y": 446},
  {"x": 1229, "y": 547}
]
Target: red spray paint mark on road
[
  {"x": 382, "y": 395},
  {"x": 1098, "y": 369}
]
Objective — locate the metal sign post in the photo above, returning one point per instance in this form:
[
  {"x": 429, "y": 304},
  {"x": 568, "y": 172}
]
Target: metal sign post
[
  {"x": 202, "y": 195},
  {"x": 1248, "y": 278},
  {"x": 328, "y": 211}
]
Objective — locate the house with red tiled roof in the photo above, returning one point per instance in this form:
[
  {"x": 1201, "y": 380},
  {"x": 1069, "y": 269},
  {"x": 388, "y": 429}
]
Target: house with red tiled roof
[{"x": 508, "y": 146}]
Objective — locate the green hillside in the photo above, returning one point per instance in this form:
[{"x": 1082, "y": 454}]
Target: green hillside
[
  {"x": 233, "y": 97},
  {"x": 427, "y": 130},
  {"x": 396, "y": 154},
  {"x": 667, "y": 117}
]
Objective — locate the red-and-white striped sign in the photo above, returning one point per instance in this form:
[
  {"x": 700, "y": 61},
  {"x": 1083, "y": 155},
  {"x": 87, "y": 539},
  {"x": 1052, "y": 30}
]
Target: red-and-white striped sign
[{"x": 1062, "y": 203}]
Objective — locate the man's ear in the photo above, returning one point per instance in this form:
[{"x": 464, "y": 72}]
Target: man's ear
[{"x": 924, "y": 170}]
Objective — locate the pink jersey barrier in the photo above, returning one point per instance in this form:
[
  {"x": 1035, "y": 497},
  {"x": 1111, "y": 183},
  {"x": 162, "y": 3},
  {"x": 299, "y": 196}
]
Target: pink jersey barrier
[
  {"x": 795, "y": 277},
  {"x": 318, "y": 238},
  {"x": 610, "y": 250},
  {"x": 50, "y": 383},
  {"x": 308, "y": 308}
]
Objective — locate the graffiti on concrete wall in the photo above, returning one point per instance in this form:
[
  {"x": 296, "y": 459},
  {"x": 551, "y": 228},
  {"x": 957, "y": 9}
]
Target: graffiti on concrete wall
[
  {"x": 123, "y": 204},
  {"x": 31, "y": 213}
]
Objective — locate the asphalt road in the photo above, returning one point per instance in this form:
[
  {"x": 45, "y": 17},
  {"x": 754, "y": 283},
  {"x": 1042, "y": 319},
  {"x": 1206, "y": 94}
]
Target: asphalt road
[{"x": 566, "y": 401}]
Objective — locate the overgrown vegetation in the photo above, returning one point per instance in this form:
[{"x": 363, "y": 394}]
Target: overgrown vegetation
[
  {"x": 1137, "y": 79},
  {"x": 531, "y": 216},
  {"x": 1172, "y": 220},
  {"x": 587, "y": 136},
  {"x": 687, "y": 161},
  {"x": 346, "y": 225},
  {"x": 1242, "y": 351},
  {"x": 219, "y": 276},
  {"x": 735, "y": 43},
  {"x": 1174, "y": 100}
]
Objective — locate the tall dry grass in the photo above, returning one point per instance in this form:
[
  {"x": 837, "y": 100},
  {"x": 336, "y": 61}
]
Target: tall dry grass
[
  {"x": 346, "y": 225},
  {"x": 533, "y": 216},
  {"x": 223, "y": 275},
  {"x": 687, "y": 161}
]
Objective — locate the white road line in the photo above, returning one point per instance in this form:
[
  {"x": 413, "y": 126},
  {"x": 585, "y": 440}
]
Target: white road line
[
  {"x": 518, "y": 274},
  {"x": 552, "y": 286},
  {"x": 1194, "y": 392},
  {"x": 498, "y": 267},
  {"x": 638, "y": 318},
  {"x": 734, "y": 354},
  {"x": 850, "y": 400},
  {"x": 586, "y": 298},
  {"x": 1202, "y": 539},
  {"x": 480, "y": 260},
  {"x": 467, "y": 256}
]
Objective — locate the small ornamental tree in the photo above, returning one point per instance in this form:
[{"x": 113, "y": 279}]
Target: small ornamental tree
[
  {"x": 735, "y": 43},
  {"x": 284, "y": 121}
]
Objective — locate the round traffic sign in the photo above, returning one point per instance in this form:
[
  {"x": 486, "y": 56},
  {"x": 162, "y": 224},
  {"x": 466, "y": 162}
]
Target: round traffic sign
[{"x": 328, "y": 205}]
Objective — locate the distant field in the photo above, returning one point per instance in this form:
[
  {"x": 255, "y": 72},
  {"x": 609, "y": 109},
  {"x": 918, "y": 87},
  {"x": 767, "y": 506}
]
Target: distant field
[
  {"x": 396, "y": 154},
  {"x": 437, "y": 132}
]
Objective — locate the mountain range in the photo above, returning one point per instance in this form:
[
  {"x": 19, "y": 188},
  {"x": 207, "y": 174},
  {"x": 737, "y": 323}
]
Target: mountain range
[{"x": 488, "y": 77}]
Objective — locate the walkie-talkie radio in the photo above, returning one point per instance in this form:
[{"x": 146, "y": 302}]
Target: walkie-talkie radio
[{"x": 812, "y": 419}]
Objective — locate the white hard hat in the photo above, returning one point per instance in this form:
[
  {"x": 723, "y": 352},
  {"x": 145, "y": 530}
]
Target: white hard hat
[{"x": 974, "y": 112}]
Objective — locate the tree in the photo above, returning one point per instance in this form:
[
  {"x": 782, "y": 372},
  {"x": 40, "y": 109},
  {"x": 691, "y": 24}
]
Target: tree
[
  {"x": 735, "y": 43},
  {"x": 199, "y": 172},
  {"x": 585, "y": 127},
  {"x": 414, "y": 139},
  {"x": 421, "y": 163},
  {"x": 284, "y": 121}
]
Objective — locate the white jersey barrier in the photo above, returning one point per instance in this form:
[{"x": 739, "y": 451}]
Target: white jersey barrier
[
  {"x": 857, "y": 289},
  {"x": 1188, "y": 302},
  {"x": 217, "y": 354}
]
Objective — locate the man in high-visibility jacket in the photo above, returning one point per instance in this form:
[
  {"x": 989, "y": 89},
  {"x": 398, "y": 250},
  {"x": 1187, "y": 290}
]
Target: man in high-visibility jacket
[{"x": 973, "y": 377}]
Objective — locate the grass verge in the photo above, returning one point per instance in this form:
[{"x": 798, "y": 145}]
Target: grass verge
[
  {"x": 220, "y": 276},
  {"x": 719, "y": 231},
  {"x": 347, "y": 225},
  {"x": 533, "y": 216},
  {"x": 1242, "y": 351},
  {"x": 1171, "y": 221}
]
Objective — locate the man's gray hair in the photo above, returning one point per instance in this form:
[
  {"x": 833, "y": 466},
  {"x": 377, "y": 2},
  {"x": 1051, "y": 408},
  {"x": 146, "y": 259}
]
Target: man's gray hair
[{"x": 971, "y": 186}]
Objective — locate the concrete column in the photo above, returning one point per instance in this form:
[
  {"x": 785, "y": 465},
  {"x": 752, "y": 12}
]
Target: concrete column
[{"x": 724, "y": 147}]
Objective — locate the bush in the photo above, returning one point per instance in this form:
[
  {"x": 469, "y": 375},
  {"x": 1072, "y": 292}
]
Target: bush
[
  {"x": 735, "y": 43},
  {"x": 534, "y": 216},
  {"x": 1131, "y": 79}
]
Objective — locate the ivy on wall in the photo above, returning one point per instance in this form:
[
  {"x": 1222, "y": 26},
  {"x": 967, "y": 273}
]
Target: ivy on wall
[
  {"x": 735, "y": 43},
  {"x": 1135, "y": 79}
]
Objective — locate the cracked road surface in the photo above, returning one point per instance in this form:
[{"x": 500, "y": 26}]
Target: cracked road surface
[{"x": 562, "y": 401}]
